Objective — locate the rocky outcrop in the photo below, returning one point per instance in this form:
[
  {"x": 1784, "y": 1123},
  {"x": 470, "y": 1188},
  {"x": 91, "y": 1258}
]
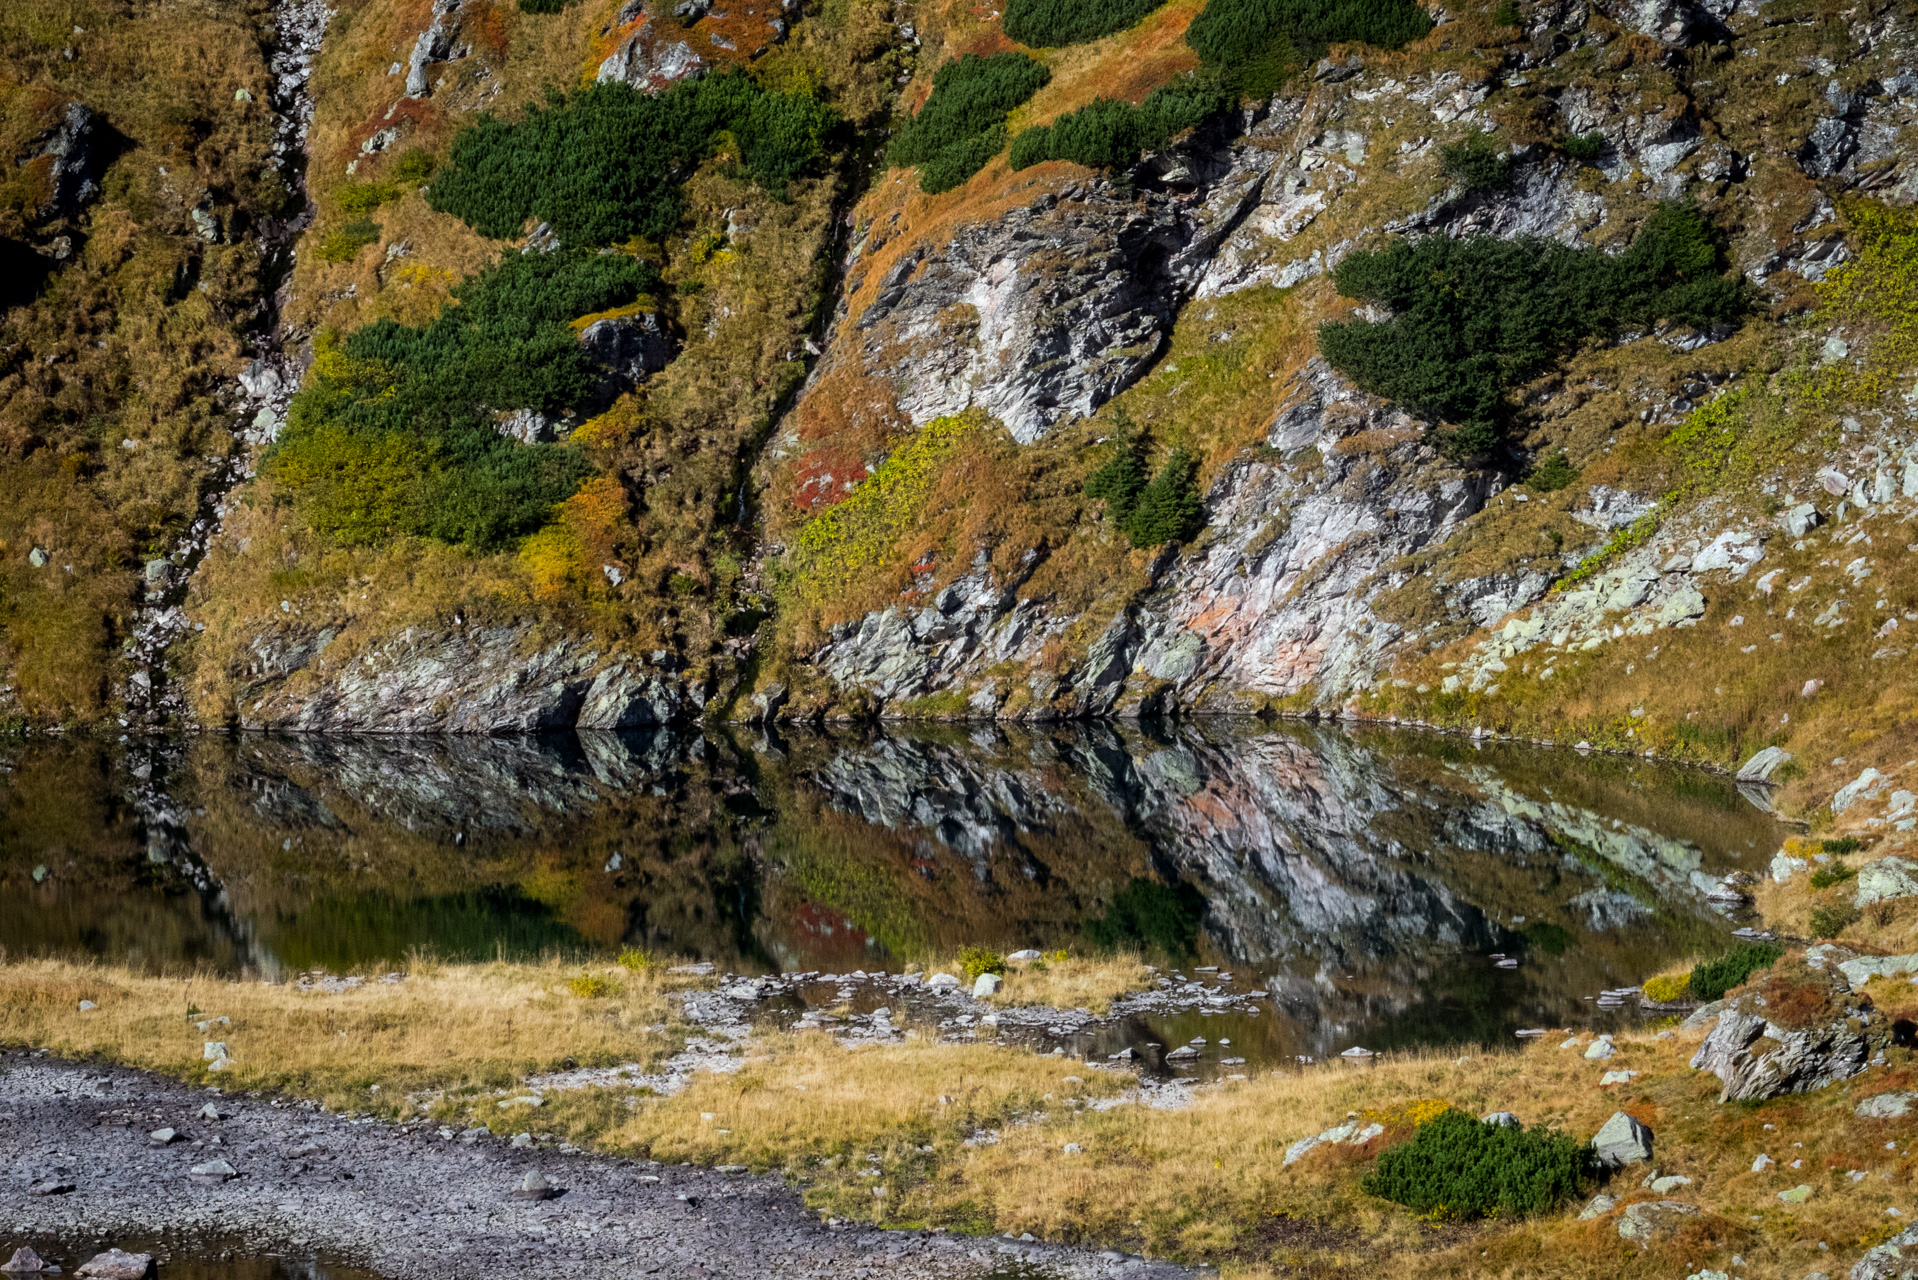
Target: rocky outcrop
[
  {"x": 72, "y": 147},
  {"x": 457, "y": 679},
  {"x": 644, "y": 60},
  {"x": 633, "y": 347},
  {"x": 438, "y": 43},
  {"x": 1827, "y": 1035},
  {"x": 1895, "y": 1259}
]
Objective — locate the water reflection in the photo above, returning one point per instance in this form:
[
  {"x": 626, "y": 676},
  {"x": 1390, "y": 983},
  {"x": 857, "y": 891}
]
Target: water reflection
[{"x": 1365, "y": 880}]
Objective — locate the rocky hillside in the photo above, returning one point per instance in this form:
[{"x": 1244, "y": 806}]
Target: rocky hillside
[{"x": 841, "y": 358}]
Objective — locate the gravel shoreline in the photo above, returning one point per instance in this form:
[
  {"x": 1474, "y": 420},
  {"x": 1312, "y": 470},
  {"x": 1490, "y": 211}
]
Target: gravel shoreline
[{"x": 401, "y": 1200}]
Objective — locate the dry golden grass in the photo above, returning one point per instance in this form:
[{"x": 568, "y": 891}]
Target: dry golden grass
[
  {"x": 366, "y": 1048},
  {"x": 1088, "y": 982}
]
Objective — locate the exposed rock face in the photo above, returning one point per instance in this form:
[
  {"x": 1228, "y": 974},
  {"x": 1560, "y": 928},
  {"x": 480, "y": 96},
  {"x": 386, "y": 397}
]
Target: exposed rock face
[
  {"x": 1895, "y": 1259},
  {"x": 1757, "y": 1058},
  {"x": 1270, "y": 607},
  {"x": 439, "y": 42},
  {"x": 643, "y": 61},
  {"x": 1051, "y": 309},
  {"x": 501, "y": 679},
  {"x": 71, "y": 147}
]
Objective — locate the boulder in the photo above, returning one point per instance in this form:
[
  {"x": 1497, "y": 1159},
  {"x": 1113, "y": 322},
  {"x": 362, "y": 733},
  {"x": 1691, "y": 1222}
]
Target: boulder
[
  {"x": 1650, "y": 1220},
  {"x": 986, "y": 984},
  {"x": 115, "y": 1265},
  {"x": 1858, "y": 970},
  {"x": 1888, "y": 878},
  {"x": 1763, "y": 764},
  {"x": 1784, "y": 866},
  {"x": 1622, "y": 1141},
  {"x": 213, "y": 1172},
  {"x": 1599, "y": 1050},
  {"x": 1800, "y": 520},
  {"x": 1863, "y": 787},
  {"x": 535, "y": 1186},
  {"x": 1804, "y": 1030},
  {"x": 1895, "y": 1259},
  {"x": 1503, "y": 1119},
  {"x": 1886, "y": 1106},
  {"x": 24, "y": 1262},
  {"x": 633, "y": 346},
  {"x": 1597, "y": 1206}
]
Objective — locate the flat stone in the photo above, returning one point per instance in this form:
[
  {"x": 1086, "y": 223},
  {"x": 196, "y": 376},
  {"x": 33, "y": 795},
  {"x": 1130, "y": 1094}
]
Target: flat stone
[
  {"x": 1599, "y": 1050},
  {"x": 1669, "y": 1183},
  {"x": 1886, "y": 879},
  {"x": 1598, "y": 1206},
  {"x": 162, "y": 1136},
  {"x": 1797, "y": 1195},
  {"x": 210, "y": 1112},
  {"x": 943, "y": 981},
  {"x": 1763, "y": 764},
  {"x": 1651, "y": 1220},
  {"x": 50, "y": 1187},
  {"x": 1616, "y": 1077},
  {"x": 212, "y": 1172},
  {"x": 1622, "y": 1141},
  {"x": 115, "y": 1265}
]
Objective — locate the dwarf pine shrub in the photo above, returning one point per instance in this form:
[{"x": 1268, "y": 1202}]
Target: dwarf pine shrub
[
  {"x": 1110, "y": 134},
  {"x": 1256, "y": 44},
  {"x": 1554, "y": 473},
  {"x": 605, "y": 164},
  {"x": 1457, "y": 1167},
  {"x": 1711, "y": 980},
  {"x": 962, "y": 125},
  {"x": 1045, "y": 24},
  {"x": 1476, "y": 163},
  {"x": 1476, "y": 315}
]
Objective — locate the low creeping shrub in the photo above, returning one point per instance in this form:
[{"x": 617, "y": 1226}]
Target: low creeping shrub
[
  {"x": 1832, "y": 920},
  {"x": 344, "y": 243},
  {"x": 1474, "y": 316},
  {"x": 1551, "y": 475},
  {"x": 1109, "y": 134},
  {"x": 963, "y": 124},
  {"x": 1841, "y": 846},
  {"x": 1457, "y": 1167},
  {"x": 1046, "y": 24},
  {"x": 1711, "y": 980},
  {"x": 1476, "y": 163}
]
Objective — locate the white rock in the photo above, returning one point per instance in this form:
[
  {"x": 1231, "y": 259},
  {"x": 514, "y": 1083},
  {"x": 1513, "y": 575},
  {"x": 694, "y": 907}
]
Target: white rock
[
  {"x": 987, "y": 984},
  {"x": 1862, "y": 787},
  {"x": 942, "y": 981},
  {"x": 1622, "y": 1141},
  {"x": 1599, "y": 1050},
  {"x": 1763, "y": 1163}
]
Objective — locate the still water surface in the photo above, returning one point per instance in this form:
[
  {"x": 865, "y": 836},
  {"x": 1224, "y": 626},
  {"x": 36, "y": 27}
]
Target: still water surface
[{"x": 1366, "y": 880}]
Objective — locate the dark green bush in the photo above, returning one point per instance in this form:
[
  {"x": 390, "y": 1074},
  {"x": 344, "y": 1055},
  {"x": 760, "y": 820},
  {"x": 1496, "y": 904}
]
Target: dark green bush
[
  {"x": 1553, "y": 474},
  {"x": 1506, "y": 15},
  {"x": 394, "y": 433},
  {"x": 1476, "y": 164},
  {"x": 1473, "y": 316},
  {"x": 544, "y": 6},
  {"x": 1711, "y": 980},
  {"x": 1835, "y": 873},
  {"x": 965, "y": 114},
  {"x": 1584, "y": 148},
  {"x": 1841, "y": 846},
  {"x": 1169, "y": 509},
  {"x": 1830, "y": 921},
  {"x": 1109, "y": 134},
  {"x": 605, "y": 164},
  {"x": 1163, "y": 917},
  {"x": 1046, "y": 24},
  {"x": 1256, "y": 44},
  {"x": 1458, "y": 1167}
]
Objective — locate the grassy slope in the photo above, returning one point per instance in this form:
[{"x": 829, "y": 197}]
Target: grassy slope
[{"x": 108, "y": 378}]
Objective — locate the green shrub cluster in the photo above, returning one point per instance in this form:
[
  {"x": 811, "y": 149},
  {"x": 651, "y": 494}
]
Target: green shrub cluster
[
  {"x": 1168, "y": 509},
  {"x": 1458, "y": 1167},
  {"x": 1476, "y": 163},
  {"x": 605, "y": 165},
  {"x": 1711, "y": 980},
  {"x": 394, "y": 433},
  {"x": 1163, "y": 917},
  {"x": 1583, "y": 148},
  {"x": 1476, "y": 315},
  {"x": 1833, "y": 919},
  {"x": 1553, "y": 474},
  {"x": 963, "y": 123},
  {"x": 1256, "y": 44},
  {"x": 1841, "y": 846},
  {"x": 341, "y": 245},
  {"x": 1836, "y": 873},
  {"x": 1047, "y": 24},
  {"x": 1110, "y": 134}
]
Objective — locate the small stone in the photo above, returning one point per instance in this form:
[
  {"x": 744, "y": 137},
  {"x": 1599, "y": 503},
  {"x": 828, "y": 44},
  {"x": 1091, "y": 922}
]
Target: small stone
[
  {"x": 1670, "y": 1183},
  {"x": 161, "y": 1137},
  {"x": 1599, "y": 1050},
  {"x": 87, "y": 1006},
  {"x": 1597, "y": 1206},
  {"x": 212, "y": 1172},
  {"x": 986, "y": 984},
  {"x": 24, "y": 1262},
  {"x": 213, "y": 1051},
  {"x": 1763, "y": 1163},
  {"x": 522, "y": 1140},
  {"x": 1616, "y": 1077},
  {"x": 210, "y": 1112},
  {"x": 1653, "y": 1219},
  {"x": 944, "y": 981},
  {"x": 1073, "y": 1149},
  {"x": 115, "y": 1265},
  {"x": 1797, "y": 1195},
  {"x": 50, "y": 1187},
  {"x": 1027, "y": 954},
  {"x": 470, "y": 1136},
  {"x": 1503, "y": 1119},
  {"x": 37, "y": 558},
  {"x": 535, "y": 1186}
]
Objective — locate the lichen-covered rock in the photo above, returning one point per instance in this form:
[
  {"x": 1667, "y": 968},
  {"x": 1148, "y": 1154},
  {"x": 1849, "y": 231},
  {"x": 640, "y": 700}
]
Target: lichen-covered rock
[
  {"x": 1887, "y": 878},
  {"x": 439, "y": 42},
  {"x": 1895, "y": 1259},
  {"x": 1650, "y": 1220},
  {"x": 1802, "y": 1030},
  {"x": 633, "y": 347}
]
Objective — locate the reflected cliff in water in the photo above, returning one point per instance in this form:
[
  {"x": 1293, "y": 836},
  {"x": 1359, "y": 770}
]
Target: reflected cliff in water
[{"x": 1366, "y": 880}]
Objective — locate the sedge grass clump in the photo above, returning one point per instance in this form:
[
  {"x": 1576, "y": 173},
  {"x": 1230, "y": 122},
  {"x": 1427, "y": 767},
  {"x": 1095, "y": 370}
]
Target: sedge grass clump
[{"x": 1458, "y": 1167}]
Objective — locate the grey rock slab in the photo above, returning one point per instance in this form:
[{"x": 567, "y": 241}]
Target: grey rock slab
[
  {"x": 1895, "y": 1259},
  {"x": 1651, "y": 1220},
  {"x": 1763, "y": 764},
  {"x": 23, "y": 1262},
  {"x": 422, "y": 1208},
  {"x": 1622, "y": 1141},
  {"x": 1886, "y": 1106},
  {"x": 1757, "y": 1059},
  {"x": 117, "y": 1265},
  {"x": 1887, "y": 878}
]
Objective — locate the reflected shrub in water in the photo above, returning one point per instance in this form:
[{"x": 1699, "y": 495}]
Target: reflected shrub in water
[
  {"x": 1146, "y": 912},
  {"x": 1458, "y": 1167},
  {"x": 1711, "y": 980}
]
